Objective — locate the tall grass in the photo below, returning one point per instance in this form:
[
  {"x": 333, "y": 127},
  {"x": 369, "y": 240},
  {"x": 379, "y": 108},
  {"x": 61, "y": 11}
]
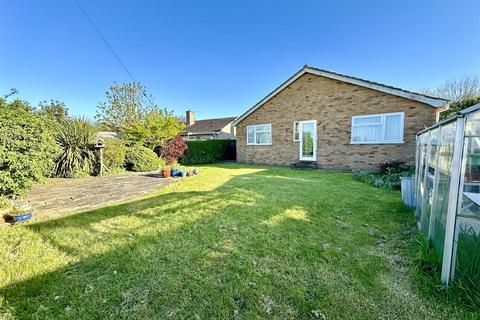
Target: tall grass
[
  {"x": 77, "y": 157},
  {"x": 467, "y": 271}
]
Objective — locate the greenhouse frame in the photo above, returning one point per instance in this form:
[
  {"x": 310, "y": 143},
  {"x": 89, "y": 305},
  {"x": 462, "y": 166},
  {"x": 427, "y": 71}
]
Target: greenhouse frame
[{"x": 447, "y": 193}]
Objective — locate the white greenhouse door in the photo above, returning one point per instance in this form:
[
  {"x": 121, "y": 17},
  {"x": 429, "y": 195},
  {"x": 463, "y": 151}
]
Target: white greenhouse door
[{"x": 308, "y": 140}]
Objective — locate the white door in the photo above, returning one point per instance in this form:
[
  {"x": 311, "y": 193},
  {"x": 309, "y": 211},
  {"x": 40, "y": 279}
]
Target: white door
[{"x": 308, "y": 140}]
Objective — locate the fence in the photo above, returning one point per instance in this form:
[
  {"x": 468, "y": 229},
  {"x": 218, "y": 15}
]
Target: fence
[{"x": 447, "y": 197}]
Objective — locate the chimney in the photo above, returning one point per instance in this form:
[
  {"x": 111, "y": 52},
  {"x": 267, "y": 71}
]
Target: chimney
[{"x": 190, "y": 117}]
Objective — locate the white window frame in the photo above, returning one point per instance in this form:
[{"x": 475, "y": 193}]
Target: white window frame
[
  {"x": 255, "y": 135},
  {"x": 382, "y": 123},
  {"x": 296, "y": 124}
]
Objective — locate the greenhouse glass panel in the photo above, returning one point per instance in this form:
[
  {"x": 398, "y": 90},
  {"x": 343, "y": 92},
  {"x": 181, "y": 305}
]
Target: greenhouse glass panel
[
  {"x": 428, "y": 181},
  {"x": 444, "y": 173},
  {"x": 467, "y": 237},
  {"x": 421, "y": 172}
]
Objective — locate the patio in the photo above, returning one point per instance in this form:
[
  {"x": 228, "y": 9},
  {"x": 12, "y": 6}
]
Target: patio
[{"x": 59, "y": 196}]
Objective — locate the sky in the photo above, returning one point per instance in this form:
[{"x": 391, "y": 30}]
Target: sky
[{"x": 218, "y": 58}]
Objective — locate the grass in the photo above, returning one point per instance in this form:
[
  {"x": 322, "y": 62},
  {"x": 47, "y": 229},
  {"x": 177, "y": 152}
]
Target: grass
[{"x": 235, "y": 242}]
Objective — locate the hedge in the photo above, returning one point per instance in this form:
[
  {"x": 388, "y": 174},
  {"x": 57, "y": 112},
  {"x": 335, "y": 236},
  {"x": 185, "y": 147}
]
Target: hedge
[
  {"x": 27, "y": 147},
  {"x": 208, "y": 151}
]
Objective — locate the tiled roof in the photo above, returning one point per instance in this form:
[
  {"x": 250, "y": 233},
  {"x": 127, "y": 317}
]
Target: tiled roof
[
  {"x": 432, "y": 101},
  {"x": 208, "y": 125}
]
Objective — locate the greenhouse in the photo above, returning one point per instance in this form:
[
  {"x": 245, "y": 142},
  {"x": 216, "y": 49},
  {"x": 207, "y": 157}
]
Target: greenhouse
[{"x": 447, "y": 194}]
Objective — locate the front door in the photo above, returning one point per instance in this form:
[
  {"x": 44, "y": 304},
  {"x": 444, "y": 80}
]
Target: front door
[{"x": 308, "y": 140}]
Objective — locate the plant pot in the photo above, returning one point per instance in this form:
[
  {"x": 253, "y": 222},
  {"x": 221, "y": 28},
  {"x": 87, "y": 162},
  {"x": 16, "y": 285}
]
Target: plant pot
[
  {"x": 189, "y": 173},
  {"x": 22, "y": 217},
  {"x": 166, "y": 173},
  {"x": 183, "y": 173},
  {"x": 175, "y": 172},
  {"x": 13, "y": 218}
]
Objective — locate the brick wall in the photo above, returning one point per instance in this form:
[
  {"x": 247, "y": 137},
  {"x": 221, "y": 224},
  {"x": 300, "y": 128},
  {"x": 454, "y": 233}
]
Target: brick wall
[{"x": 332, "y": 103}]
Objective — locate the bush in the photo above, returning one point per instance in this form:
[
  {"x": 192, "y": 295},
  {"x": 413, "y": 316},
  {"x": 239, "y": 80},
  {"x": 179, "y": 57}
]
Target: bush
[
  {"x": 77, "y": 157},
  {"x": 173, "y": 149},
  {"x": 458, "y": 106},
  {"x": 394, "y": 167},
  {"x": 114, "y": 154},
  {"x": 389, "y": 181},
  {"x": 140, "y": 159},
  {"x": 208, "y": 151},
  {"x": 27, "y": 147}
]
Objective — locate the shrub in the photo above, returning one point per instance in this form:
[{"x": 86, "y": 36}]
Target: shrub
[
  {"x": 208, "y": 151},
  {"x": 77, "y": 157},
  {"x": 5, "y": 202},
  {"x": 173, "y": 149},
  {"x": 394, "y": 167},
  {"x": 140, "y": 159},
  {"x": 27, "y": 147},
  {"x": 389, "y": 181},
  {"x": 114, "y": 153}
]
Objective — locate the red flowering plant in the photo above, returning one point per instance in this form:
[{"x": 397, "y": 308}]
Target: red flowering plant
[{"x": 172, "y": 150}]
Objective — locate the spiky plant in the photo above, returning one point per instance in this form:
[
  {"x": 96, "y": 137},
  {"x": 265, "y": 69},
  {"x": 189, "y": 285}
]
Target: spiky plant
[{"x": 75, "y": 137}]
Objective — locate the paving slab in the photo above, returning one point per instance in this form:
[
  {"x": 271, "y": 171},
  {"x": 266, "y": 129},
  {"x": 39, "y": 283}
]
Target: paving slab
[{"x": 60, "y": 196}]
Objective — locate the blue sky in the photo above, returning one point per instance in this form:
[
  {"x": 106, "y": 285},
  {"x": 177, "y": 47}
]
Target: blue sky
[{"x": 220, "y": 57}]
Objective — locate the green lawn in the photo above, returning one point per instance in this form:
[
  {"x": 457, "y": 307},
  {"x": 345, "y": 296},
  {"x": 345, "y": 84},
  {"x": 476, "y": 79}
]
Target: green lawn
[{"x": 235, "y": 242}]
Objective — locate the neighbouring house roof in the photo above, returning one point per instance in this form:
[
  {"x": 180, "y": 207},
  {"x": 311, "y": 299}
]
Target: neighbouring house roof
[
  {"x": 208, "y": 126},
  {"x": 108, "y": 135},
  {"x": 431, "y": 101}
]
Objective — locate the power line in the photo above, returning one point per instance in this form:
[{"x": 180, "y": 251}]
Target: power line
[{"x": 105, "y": 40}]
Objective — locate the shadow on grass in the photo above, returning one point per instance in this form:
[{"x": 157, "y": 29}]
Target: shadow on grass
[{"x": 270, "y": 243}]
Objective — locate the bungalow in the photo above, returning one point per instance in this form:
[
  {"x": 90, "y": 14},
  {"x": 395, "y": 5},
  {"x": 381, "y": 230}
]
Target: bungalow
[
  {"x": 334, "y": 121},
  {"x": 220, "y": 128}
]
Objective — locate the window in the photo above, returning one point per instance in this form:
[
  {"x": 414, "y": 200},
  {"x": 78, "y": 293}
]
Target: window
[
  {"x": 259, "y": 134},
  {"x": 378, "y": 128},
  {"x": 296, "y": 131}
]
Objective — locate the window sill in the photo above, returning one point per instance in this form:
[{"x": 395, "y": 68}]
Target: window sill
[
  {"x": 376, "y": 142},
  {"x": 259, "y": 144}
]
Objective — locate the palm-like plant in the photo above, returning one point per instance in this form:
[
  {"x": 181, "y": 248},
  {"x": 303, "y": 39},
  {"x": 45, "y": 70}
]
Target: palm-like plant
[{"x": 75, "y": 137}]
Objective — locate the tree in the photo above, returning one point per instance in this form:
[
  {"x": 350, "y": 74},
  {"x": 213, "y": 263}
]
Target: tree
[
  {"x": 132, "y": 112},
  {"x": 155, "y": 128},
  {"x": 53, "y": 110},
  {"x": 457, "y": 106},
  {"x": 456, "y": 90},
  {"x": 173, "y": 149},
  {"x": 12, "y": 92},
  {"x": 126, "y": 105}
]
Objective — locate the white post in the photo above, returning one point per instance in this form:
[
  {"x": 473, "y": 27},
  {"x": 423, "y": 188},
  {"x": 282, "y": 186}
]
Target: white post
[
  {"x": 452, "y": 201},
  {"x": 418, "y": 145}
]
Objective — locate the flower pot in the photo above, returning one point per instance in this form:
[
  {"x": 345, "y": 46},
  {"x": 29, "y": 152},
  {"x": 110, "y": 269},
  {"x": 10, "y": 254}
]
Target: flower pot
[
  {"x": 189, "y": 173},
  {"x": 183, "y": 173},
  {"x": 175, "y": 172},
  {"x": 13, "y": 218},
  {"x": 166, "y": 173},
  {"x": 22, "y": 217}
]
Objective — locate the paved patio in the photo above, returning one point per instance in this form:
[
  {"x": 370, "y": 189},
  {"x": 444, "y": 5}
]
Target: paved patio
[{"x": 59, "y": 196}]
